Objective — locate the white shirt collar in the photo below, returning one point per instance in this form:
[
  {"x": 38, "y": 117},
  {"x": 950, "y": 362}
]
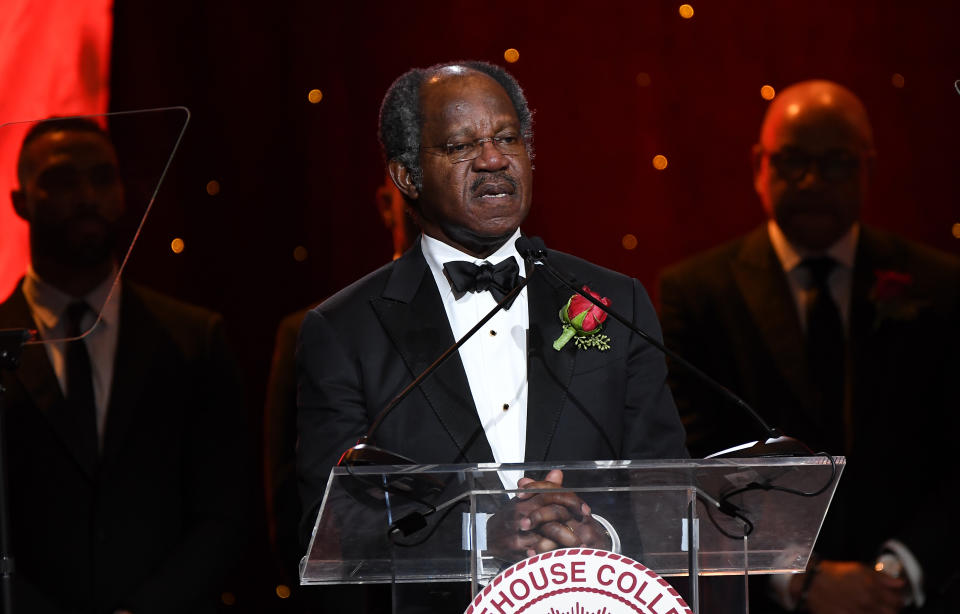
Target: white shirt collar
[
  {"x": 437, "y": 253},
  {"x": 48, "y": 304},
  {"x": 790, "y": 256}
]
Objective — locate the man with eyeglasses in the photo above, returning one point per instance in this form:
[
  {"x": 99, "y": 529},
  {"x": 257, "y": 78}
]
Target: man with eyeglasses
[
  {"x": 458, "y": 143},
  {"x": 844, "y": 336}
]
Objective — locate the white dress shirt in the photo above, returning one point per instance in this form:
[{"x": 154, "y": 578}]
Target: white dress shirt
[
  {"x": 799, "y": 279},
  {"x": 495, "y": 358},
  {"x": 48, "y": 306}
]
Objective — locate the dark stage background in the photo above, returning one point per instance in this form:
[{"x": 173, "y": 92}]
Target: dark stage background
[{"x": 612, "y": 84}]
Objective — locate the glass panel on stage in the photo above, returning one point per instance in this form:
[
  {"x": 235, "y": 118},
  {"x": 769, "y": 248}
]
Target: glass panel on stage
[
  {"x": 87, "y": 184},
  {"x": 683, "y": 519}
]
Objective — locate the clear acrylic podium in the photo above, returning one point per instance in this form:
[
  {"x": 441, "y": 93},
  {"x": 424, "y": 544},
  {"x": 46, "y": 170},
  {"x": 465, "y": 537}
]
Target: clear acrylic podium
[{"x": 684, "y": 519}]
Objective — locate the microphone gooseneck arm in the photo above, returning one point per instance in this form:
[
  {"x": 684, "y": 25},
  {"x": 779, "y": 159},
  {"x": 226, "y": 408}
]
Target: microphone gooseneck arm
[
  {"x": 534, "y": 250},
  {"x": 439, "y": 361}
]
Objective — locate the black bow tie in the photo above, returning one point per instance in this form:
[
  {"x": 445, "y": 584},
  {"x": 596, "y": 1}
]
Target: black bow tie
[{"x": 469, "y": 277}]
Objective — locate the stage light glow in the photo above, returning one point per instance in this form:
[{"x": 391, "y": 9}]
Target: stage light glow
[
  {"x": 511, "y": 55},
  {"x": 228, "y": 598},
  {"x": 643, "y": 79},
  {"x": 315, "y": 96},
  {"x": 660, "y": 162},
  {"x": 897, "y": 80},
  {"x": 176, "y": 246},
  {"x": 767, "y": 92},
  {"x": 956, "y": 230},
  {"x": 629, "y": 242},
  {"x": 686, "y": 11},
  {"x": 300, "y": 253},
  {"x": 283, "y": 591},
  {"x": 213, "y": 187}
]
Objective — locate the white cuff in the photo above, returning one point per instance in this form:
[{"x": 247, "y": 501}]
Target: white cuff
[
  {"x": 614, "y": 536},
  {"x": 780, "y": 591},
  {"x": 911, "y": 569}
]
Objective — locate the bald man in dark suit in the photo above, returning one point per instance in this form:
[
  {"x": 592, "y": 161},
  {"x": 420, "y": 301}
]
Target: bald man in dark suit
[{"x": 845, "y": 337}]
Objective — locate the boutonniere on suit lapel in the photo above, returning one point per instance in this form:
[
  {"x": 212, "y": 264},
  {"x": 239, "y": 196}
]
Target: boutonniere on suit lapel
[
  {"x": 582, "y": 322},
  {"x": 890, "y": 297}
]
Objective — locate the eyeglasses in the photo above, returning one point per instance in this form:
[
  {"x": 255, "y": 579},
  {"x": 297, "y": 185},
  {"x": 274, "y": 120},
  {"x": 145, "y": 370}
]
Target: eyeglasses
[
  {"x": 464, "y": 151},
  {"x": 835, "y": 165}
]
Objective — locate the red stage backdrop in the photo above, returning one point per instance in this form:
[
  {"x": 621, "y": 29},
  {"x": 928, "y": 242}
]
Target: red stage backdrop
[{"x": 54, "y": 60}]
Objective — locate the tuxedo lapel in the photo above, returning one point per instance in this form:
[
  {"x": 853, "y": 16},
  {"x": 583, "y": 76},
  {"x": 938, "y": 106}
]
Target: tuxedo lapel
[
  {"x": 548, "y": 371},
  {"x": 871, "y": 255},
  {"x": 40, "y": 382},
  {"x": 866, "y": 352},
  {"x": 764, "y": 288},
  {"x": 138, "y": 342},
  {"x": 411, "y": 312}
]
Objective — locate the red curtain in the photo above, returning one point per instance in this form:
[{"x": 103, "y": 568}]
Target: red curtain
[{"x": 54, "y": 60}]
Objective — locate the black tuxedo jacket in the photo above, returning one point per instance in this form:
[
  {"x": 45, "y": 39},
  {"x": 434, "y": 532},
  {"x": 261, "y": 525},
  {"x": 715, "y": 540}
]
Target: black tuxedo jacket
[
  {"x": 730, "y": 311},
  {"x": 153, "y": 523},
  {"x": 364, "y": 344}
]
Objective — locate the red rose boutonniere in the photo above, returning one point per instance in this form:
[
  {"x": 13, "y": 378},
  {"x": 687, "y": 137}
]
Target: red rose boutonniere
[
  {"x": 889, "y": 296},
  {"x": 582, "y": 322}
]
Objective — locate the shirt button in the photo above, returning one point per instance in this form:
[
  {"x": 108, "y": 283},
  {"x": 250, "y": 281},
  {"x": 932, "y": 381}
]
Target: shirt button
[
  {"x": 493, "y": 333},
  {"x": 506, "y": 406}
]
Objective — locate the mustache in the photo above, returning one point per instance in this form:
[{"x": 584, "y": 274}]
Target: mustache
[
  {"x": 496, "y": 177},
  {"x": 814, "y": 202}
]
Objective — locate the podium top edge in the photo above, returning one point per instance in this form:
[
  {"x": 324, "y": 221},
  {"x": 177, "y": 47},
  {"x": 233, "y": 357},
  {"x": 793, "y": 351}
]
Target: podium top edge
[{"x": 599, "y": 465}]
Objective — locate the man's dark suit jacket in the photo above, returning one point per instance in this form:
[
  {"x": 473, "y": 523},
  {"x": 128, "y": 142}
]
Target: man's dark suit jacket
[
  {"x": 279, "y": 442},
  {"x": 364, "y": 344},
  {"x": 730, "y": 312},
  {"x": 153, "y": 524}
]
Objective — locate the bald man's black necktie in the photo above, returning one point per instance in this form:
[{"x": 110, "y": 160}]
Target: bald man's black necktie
[
  {"x": 469, "y": 277},
  {"x": 80, "y": 399},
  {"x": 826, "y": 352}
]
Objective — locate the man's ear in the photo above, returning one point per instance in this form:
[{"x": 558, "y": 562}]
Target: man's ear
[
  {"x": 870, "y": 157},
  {"x": 756, "y": 158},
  {"x": 403, "y": 179},
  {"x": 756, "y": 161},
  {"x": 20, "y": 204}
]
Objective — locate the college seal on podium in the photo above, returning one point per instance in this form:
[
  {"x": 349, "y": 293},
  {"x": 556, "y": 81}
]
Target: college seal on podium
[{"x": 578, "y": 581}]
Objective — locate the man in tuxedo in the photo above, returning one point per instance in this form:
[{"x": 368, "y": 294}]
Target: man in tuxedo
[
  {"x": 845, "y": 337},
  {"x": 124, "y": 447},
  {"x": 458, "y": 143}
]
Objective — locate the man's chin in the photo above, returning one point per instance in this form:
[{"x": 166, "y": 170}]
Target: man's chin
[
  {"x": 814, "y": 236},
  {"x": 87, "y": 254},
  {"x": 484, "y": 242}
]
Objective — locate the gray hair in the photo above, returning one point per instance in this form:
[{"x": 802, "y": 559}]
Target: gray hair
[{"x": 401, "y": 120}]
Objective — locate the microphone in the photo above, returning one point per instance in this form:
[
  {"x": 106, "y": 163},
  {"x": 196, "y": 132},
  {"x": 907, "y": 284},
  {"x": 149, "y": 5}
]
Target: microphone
[
  {"x": 417, "y": 487},
  {"x": 364, "y": 452},
  {"x": 775, "y": 443}
]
